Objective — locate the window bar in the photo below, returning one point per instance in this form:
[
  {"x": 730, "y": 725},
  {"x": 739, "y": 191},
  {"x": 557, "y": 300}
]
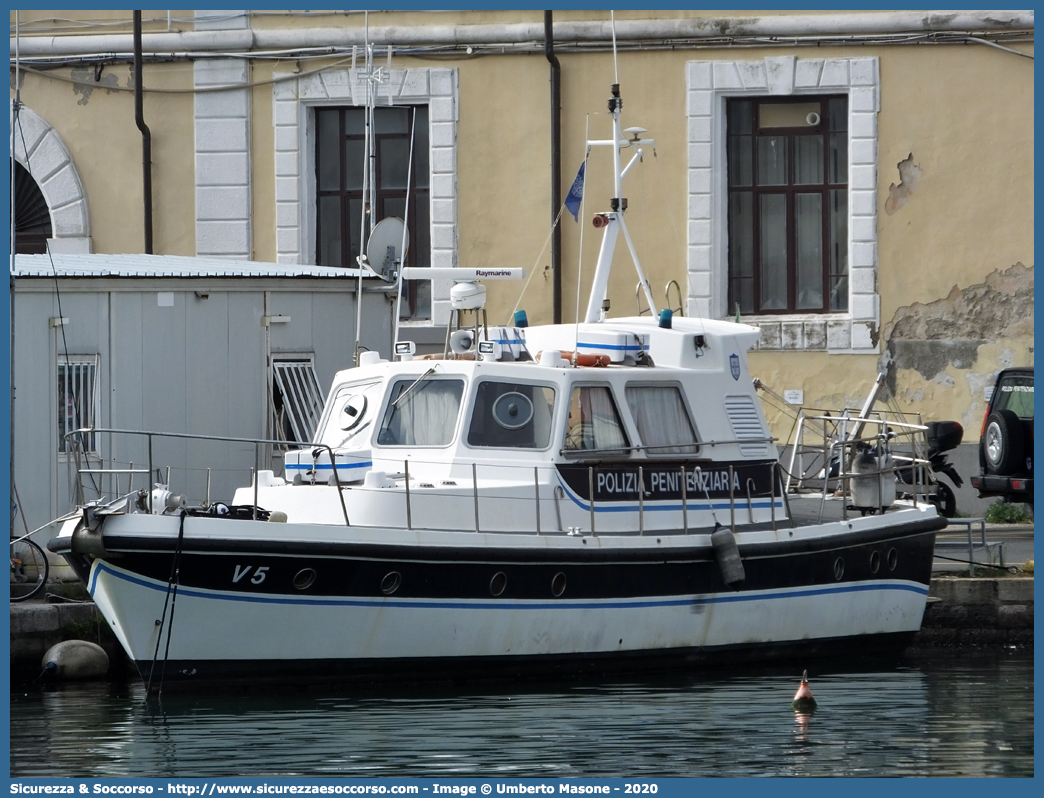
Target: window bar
[
  {"x": 558, "y": 493},
  {"x": 786, "y": 504},
  {"x": 641, "y": 502},
  {"x": 149, "y": 480},
  {"x": 750, "y": 501},
  {"x": 406, "y": 481},
  {"x": 773, "y": 471},
  {"x": 536, "y": 488},
  {"x": 732, "y": 504},
  {"x": 685, "y": 502},
  {"x": 920, "y": 472},
  {"x": 590, "y": 490},
  {"x": 474, "y": 484},
  {"x": 257, "y": 467}
]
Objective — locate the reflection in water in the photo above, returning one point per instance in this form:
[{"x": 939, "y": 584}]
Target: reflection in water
[{"x": 947, "y": 714}]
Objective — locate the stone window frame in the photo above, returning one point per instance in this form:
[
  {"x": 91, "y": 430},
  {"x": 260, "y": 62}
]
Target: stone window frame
[
  {"x": 293, "y": 101},
  {"x": 708, "y": 85}
]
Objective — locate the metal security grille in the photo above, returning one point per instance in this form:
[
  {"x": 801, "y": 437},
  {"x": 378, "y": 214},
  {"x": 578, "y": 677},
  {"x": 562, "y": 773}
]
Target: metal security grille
[
  {"x": 77, "y": 403},
  {"x": 746, "y": 425},
  {"x": 296, "y": 399}
]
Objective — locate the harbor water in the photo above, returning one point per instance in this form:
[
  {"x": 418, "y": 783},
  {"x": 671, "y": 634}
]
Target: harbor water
[{"x": 940, "y": 713}]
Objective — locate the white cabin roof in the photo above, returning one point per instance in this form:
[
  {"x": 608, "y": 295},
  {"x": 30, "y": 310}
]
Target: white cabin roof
[{"x": 76, "y": 265}]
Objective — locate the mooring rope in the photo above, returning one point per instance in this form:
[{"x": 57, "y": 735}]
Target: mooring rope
[{"x": 172, "y": 582}]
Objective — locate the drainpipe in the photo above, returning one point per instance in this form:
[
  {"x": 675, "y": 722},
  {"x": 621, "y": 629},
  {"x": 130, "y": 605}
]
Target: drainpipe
[
  {"x": 556, "y": 169},
  {"x": 146, "y": 135}
]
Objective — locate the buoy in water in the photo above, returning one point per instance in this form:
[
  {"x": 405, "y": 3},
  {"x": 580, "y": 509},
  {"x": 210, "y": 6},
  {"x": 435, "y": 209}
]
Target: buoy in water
[
  {"x": 803, "y": 700},
  {"x": 76, "y": 659}
]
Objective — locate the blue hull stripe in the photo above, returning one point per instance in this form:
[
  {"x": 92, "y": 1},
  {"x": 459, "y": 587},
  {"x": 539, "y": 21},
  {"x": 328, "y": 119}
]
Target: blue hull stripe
[
  {"x": 626, "y": 348},
  {"x": 623, "y": 604},
  {"x": 328, "y": 466}
]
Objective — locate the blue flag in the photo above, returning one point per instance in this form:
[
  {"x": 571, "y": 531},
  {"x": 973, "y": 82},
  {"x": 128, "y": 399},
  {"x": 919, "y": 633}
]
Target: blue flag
[{"x": 576, "y": 193}]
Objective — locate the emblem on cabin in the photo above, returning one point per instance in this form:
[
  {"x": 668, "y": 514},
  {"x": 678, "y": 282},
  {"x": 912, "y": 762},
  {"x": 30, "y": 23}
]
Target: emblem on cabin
[{"x": 734, "y": 366}]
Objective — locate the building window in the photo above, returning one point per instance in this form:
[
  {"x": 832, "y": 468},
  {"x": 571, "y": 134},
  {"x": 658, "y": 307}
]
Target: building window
[
  {"x": 296, "y": 399},
  {"x": 77, "y": 403},
  {"x": 788, "y": 204},
  {"x": 339, "y": 164}
]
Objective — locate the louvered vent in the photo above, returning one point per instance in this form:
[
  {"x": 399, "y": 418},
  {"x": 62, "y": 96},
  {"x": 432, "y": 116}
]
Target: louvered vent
[{"x": 746, "y": 424}]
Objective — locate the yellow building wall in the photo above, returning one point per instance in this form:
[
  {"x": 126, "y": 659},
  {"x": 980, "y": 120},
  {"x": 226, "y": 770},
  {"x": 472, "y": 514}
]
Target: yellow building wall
[{"x": 954, "y": 191}]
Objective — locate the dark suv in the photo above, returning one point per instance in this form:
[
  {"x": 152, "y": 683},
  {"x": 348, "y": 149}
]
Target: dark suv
[{"x": 1006, "y": 445}]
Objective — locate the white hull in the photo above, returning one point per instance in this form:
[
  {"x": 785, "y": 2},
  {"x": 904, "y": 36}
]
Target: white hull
[{"x": 227, "y": 626}]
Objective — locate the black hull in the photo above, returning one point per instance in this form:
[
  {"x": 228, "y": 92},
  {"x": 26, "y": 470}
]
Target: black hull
[{"x": 361, "y": 571}]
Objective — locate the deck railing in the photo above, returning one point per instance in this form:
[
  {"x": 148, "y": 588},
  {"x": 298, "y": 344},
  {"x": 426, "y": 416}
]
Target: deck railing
[{"x": 832, "y": 452}]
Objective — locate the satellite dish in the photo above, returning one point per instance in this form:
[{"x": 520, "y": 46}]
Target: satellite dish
[{"x": 384, "y": 249}]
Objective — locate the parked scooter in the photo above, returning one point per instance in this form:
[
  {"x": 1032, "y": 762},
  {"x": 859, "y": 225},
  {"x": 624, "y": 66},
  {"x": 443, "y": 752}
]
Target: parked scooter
[{"x": 943, "y": 436}]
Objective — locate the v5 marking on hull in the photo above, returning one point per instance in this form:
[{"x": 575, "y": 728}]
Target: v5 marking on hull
[{"x": 259, "y": 574}]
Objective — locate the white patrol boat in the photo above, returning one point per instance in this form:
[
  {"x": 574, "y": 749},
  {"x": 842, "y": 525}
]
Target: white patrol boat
[{"x": 569, "y": 498}]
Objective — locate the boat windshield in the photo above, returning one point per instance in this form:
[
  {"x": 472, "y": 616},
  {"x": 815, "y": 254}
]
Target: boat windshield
[
  {"x": 511, "y": 415},
  {"x": 424, "y": 416},
  {"x": 351, "y": 422},
  {"x": 594, "y": 423}
]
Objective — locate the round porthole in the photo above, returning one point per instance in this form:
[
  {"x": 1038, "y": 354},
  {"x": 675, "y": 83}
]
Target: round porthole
[
  {"x": 391, "y": 583},
  {"x": 352, "y": 411},
  {"x": 875, "y": 562},
  {"x": 893, "y": 559},
  {"x": 839, "y": 569},
  {"x": 558, "y": 584},
  {"x": 498, "y": 583},
  {"x": 304, "y": 578},
  {"x": 513, "y": 410}
]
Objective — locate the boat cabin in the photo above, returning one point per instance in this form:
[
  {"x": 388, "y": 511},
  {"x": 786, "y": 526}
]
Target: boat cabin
[{"x": 666, "y": 425}]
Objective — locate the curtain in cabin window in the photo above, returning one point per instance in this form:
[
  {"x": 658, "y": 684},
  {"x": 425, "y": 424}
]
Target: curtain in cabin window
[
  {"x": 425, "y": 416},
  {"x": 659, "y": 414}
]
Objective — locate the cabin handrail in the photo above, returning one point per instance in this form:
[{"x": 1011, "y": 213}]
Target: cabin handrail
[{"x": 645, "y": 448}]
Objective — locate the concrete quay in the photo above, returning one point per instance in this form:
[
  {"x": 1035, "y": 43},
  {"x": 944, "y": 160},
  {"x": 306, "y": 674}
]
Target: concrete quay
[
  {"x": 38, "y": 625},
  {"x": 978, "y": 611}
]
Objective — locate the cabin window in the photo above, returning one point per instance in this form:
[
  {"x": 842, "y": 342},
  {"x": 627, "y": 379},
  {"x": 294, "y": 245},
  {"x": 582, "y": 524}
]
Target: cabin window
[
  {"x": 422, "y": 411},
  {"x": 511, "y": 415},
  {"x": 788, "y": 205},
  {"x": 663, "y": 423},
  {"x": 353, "y": 410},
  {"x": 339, "y": 160},
  {"x": 594, "y": 423},
  {"x": 296, "y": 399},
  {"x": 77, "y": 402}
]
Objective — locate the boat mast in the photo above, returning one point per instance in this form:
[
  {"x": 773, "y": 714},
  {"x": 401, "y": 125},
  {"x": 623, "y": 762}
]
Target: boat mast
[
  {"x": 614, "y": 219},
  {"x": 16, "y": 105}
]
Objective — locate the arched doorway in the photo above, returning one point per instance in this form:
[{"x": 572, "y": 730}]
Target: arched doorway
[
  {"x": 32, "y": 216},
  {"x": 61, "y": 222}
]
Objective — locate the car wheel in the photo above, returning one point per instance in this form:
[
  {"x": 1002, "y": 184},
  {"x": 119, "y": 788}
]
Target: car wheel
[{"x": 1002, "y": 443}]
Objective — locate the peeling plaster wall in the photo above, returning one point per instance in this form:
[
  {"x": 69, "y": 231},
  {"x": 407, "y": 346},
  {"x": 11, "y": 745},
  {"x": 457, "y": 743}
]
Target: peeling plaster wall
[
  {"x": 948, "y": 351},
  {"x": 909, "y": 177}
]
